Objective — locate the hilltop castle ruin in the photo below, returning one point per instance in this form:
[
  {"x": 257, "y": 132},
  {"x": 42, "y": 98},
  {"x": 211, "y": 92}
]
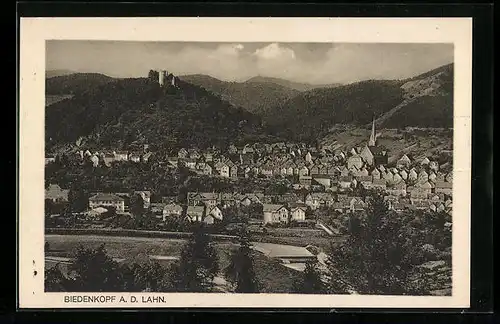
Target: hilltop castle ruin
[{"x": 166, "y": 79}]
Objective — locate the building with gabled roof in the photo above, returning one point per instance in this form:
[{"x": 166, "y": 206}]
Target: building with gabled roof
[{"x": 107, "y": 200}]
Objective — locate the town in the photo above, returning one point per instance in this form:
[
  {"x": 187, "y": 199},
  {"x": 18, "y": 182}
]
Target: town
[{"x": 319, "y": 178}]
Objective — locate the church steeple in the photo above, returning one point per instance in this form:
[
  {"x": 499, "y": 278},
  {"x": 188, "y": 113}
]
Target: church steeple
[{"x": 371, "y": 142}]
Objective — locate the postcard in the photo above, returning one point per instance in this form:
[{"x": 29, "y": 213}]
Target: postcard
[{"x": 244, "y": 162}]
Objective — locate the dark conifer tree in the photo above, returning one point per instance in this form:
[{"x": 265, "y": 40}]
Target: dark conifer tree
[
  {"x": 240, "y": 271},
  {"x": 310, "y": 282},
  {"x": 198, "y": 264}
]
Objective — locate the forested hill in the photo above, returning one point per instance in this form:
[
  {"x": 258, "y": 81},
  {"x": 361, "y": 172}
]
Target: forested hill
[
  {"x": 74, "y": 83},
  {"x": 422, "y": 101},
  {"x": 256, "y": 97},
  {"x": 127, "y": 112}
]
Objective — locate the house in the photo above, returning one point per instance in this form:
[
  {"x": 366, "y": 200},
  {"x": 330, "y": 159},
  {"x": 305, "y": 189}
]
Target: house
[
  {"x": 173, "y": 161},
  {"x": 364, "y": 180},
  {"x": 56, "y": 194},
  {"x": 374, "y": 155},
  {"x": 190, "y": 163},
  {"x": 380, "y": 184},
  {"x": 204, "y": 168},
  {"x": 298, "y": 212},
  {"x": 355, "y": 161},
  {"x": 121, "y": 156},
  {"x": 107, "y": 200},
  {"x": 323, "y": 180},
  {"x": 210, "y": 199},
  {"x": 95, "y": 160},
  {"x": 449, "y": 177},
  {"x": 146, "y": 156},
  {"x": 357, "y": 204},
  {"x": 208, "y": 157},
  {"x": 427, "y": 186},
  {"x": 274, "y": 213},
  {"x": 195, "y": 213},
  {"x": 412, "y": 176},
  {"x": 135, "y": 157},
  {"x": 194, "y": 154},
  {"x": 233, "y": 169},
  {"x": 172, "y": 210},
  {"x": 423, "y": 176},
  {"x": 308, "y": 157},
  {"x": 344, "y": 172},
  {"x": 182, "y": 154},
  {"x": 316, "y": 199},
  {"x": 228, "y": 199},
  {"x": 215, "y": 213},
  {"x": 287, "y": 198},
  {"x": 418, "y": 194},
  {"x": 251, "y": 198},
  {"x": 305, "y": 180},
  {"x": 434, "y": 166},
  {"x": 222, "y": 169},
  {"x": 107, "y": 158},
  {"x": 376, "y": 174},
  {"x": 444, "y": 187},
  {"x": 50, "y": 159},
  {"x": 403, "y": 174},
  {"x": 303, "y": 171},
  {"x": 345, "y": 181},
  {"x": 425, "y": 161},
  {"x": 404, "y": 162}
]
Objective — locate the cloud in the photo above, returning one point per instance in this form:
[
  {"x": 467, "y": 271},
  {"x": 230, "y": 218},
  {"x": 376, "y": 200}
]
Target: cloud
[
  {"x": 275, "y": 51},
  {"x": 303, "y": 62},
  {"x": 229, "y": 49}
]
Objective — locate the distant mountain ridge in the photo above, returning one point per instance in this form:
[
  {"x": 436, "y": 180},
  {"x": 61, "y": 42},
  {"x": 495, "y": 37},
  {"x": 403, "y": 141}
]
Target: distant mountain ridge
[
  {"x": 291, "y": 84},
  {"x": 74, "y": 83},
  {"x": 55, "y": 73}
]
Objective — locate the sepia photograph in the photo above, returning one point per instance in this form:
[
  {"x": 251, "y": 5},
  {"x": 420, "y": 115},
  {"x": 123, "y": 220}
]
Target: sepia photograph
[{"x": 311, "y": 168}]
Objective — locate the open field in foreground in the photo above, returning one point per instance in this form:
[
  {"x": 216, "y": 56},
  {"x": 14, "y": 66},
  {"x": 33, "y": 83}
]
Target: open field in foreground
[{"x": 271, "y": 275}]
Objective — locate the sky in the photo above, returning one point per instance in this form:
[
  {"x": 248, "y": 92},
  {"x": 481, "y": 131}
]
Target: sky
[{"x": 314, "y": 63}]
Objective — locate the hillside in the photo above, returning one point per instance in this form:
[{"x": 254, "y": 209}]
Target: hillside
[
  {"x": 424, "y": 101},
  {"x": 255, "y": 97},
  {"x": 290, "y": 84},
  {"x": 55, "y": 73},
  {"x": 312, "y": 114},
  {"x": 74, "y": 83},
  {"x": 126, "y": 112}
]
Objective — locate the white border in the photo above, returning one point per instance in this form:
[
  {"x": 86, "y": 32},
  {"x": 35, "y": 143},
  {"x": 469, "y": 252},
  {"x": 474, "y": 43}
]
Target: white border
[{"x": 34, "y": 32}]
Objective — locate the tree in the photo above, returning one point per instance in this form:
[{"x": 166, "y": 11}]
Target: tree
[
  {"x": 150, "y": 276},
  {"x": 95, "y": 271},
  {"x": 55, "y": 281},
  {"x": 310, "y": 282},
  {"x": 198, "y": 263},
  {"x": 374, "y": 259},
  {"x": 240, "y": 271}
]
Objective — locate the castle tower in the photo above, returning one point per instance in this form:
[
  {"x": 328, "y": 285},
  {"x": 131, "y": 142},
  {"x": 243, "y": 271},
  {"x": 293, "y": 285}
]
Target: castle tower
[
  {"x": 372, "y": 140},
  {"x": 161, "y": 77}
]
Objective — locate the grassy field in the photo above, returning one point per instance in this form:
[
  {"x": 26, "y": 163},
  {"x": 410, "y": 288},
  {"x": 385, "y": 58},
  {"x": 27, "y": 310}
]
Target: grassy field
[{"x": 272, "y": 276}]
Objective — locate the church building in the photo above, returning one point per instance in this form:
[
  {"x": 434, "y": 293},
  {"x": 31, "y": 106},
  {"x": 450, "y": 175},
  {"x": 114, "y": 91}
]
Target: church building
[{"x": 373, "y": 154}]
